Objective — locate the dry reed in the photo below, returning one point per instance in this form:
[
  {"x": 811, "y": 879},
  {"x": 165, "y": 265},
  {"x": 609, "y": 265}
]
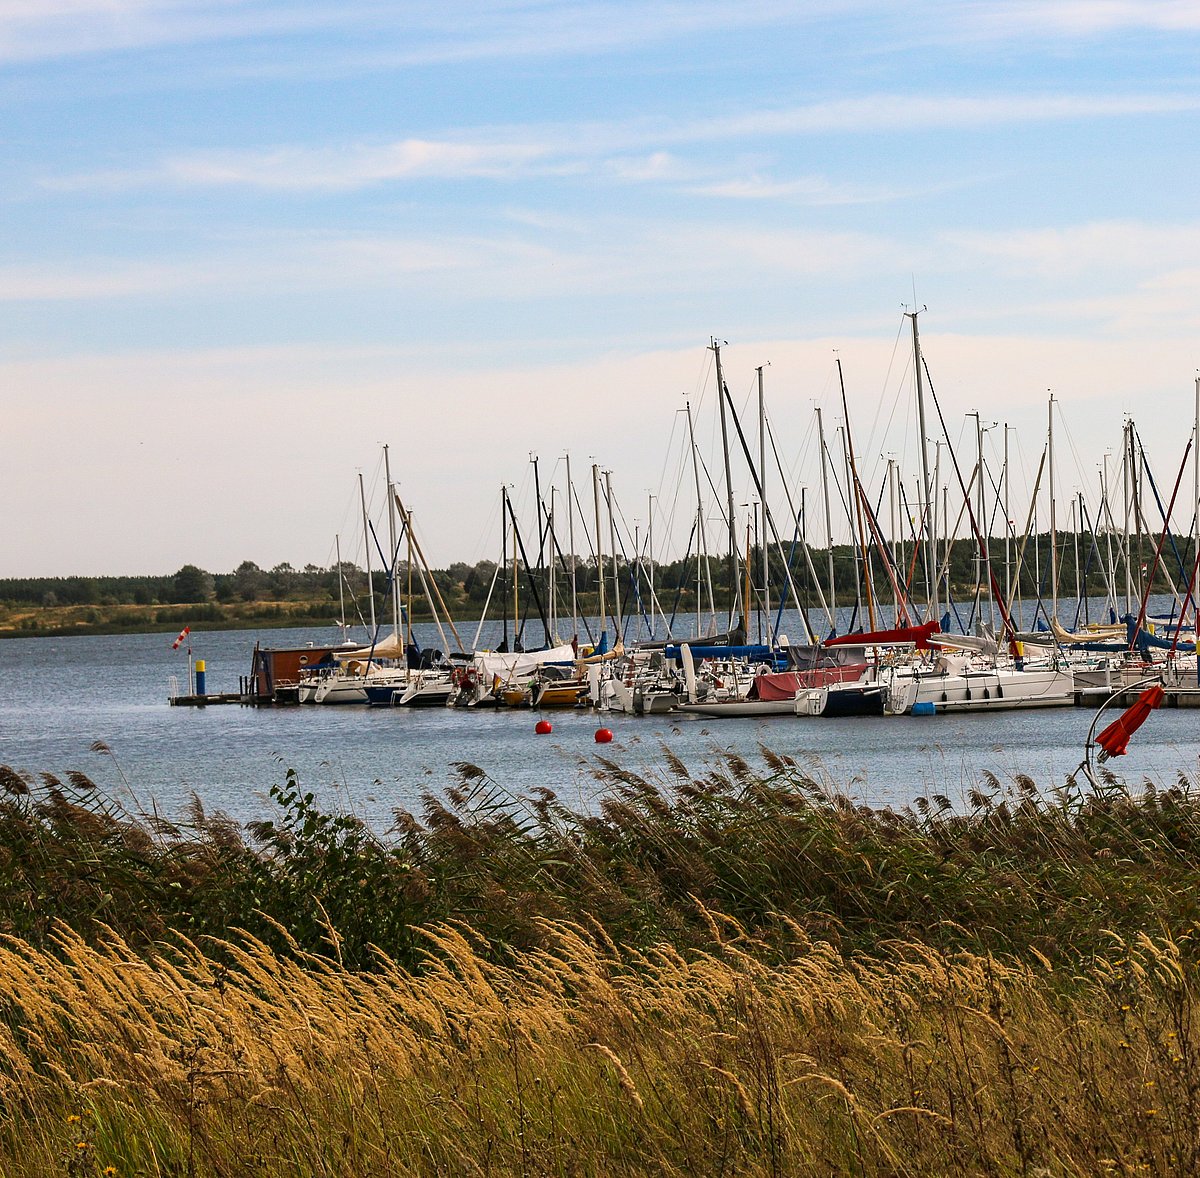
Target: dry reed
[{"x": 583, "y": 1059}]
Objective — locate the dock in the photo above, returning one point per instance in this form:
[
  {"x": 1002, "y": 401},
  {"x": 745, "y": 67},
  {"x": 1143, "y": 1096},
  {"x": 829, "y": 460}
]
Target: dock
[{"x": 203, "y": 701}]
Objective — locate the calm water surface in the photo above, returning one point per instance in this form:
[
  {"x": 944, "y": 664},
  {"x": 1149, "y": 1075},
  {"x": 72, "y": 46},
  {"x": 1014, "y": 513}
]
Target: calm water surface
[{"x": 59, "y": 695}]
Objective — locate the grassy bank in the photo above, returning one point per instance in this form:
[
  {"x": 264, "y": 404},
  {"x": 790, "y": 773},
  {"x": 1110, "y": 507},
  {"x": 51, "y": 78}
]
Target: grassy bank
[
  {"x": 731, "y": 973},
  {"x": 58, "y": 621}
]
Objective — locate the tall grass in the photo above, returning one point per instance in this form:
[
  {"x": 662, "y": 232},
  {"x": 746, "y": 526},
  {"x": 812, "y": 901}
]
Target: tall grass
[
  {"x": 583, "y": 1058},
  {"x": 730, "y": 973},
  {"x": 775, "y": 851}
]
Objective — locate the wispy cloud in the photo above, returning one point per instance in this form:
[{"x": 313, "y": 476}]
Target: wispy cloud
[
  {"x": 808, "y": 190},
  {"x": 1079, "y": 18},
  {"x": 348, "y": 167},
  {"x": 927, "y": 112},
  {"x": 637, "y": 151},
  {"x": 1111, "y": 247},
  {"x": 376, "y": 35}
]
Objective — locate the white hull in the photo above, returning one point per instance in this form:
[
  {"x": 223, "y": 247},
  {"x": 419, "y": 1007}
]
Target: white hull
[{"x": 990, "y": 690}]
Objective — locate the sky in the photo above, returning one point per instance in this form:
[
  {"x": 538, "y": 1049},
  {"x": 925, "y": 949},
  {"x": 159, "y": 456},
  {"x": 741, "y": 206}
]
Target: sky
[{"x": 245, "y": 244}]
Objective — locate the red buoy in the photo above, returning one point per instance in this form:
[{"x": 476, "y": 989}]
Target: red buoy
[
  {"x": 603, "y": 735},
  {"x": 543, "y": 728}
]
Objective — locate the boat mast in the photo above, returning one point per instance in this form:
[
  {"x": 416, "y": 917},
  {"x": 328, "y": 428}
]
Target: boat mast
[
  {"x": 1196, "y": 507},
  {"x": 856, "y": 493},
  {"x": 762, "y": 484},
  {"x": 927, "y": 488},
  {"x": 550, "y": 591},
  {"x": 571, "y": 544},
  {"x": 1053, "y": 527},
  {"x": 736, "y": 609},
  {"x": 1007, "y": 526},
  {"x": 650, "y": 560},
  {"x": 393, "y": 550},
  {"x": 828, "y": 515},
  {"x": 362, "y": 498},
  {"x": 1109, "y": 528},
  {"x": 504, "y": 563},
  {"x": 855, "y": 550},
  {"x": 618, "y": 619},
  {"x": 599, "y": 550},
  {"x": 702, "y": 550},
  {"x": 899, "y": 563},
  {"x": 409, "y": 533},
  {"x": 337, "y": 548}
]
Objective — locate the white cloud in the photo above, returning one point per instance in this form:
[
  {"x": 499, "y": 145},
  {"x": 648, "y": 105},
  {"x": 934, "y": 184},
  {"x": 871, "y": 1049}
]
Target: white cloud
[
  {"x": 1118, "y": 248},
  {"x": 350, "y": 166},
  {"x": 377, "y": 35},
  {"x": 611, "y": 149},
  {"x": 1083, "y": 18},
  {"x": 900, "y": 112},
  {"x": 809, "y": 190}
]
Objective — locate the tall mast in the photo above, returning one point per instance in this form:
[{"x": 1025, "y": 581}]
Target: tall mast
[
  {"x": 857, "y": 519},
  {"x": 927, "y": 487},
  {"x": 387, "y": 478},
  {"x": 650, "y": 560},
  {"x": 552, "y": 638},
  {"x": 504, "y": 564},
  {"x": 362, "y": 498},
  {"x": 734, "y": 583},
  {"x": 983, "y": 553},
  {"x": 855, "y": 549},
  {"x": 1053, "y": 528},
  {"x": 537, "y": 499},
  {"x": 702, "y": 549},
  {"x": 828, "y": 516},
  {"x": 337, "y": 547},
  {"x": 1196, "y": 495},
  {"x": 409, "y": 533},
  {"x": 1008, "y": 596},
  {"x": 762, "y": 483},
  {"x": 1077, "y": 523},
  {"x": 599, "y": 547},
  {"x": 571, "y": 544},
  {"x": 619, "y": 620},
  {"x": 1108, "y": 531},
  {"x": 892, "y": 511}
]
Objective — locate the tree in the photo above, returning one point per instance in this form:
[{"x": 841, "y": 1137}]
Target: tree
[
  {"x": 248, "y": 581},
  {"x": 191, "y": 584}
]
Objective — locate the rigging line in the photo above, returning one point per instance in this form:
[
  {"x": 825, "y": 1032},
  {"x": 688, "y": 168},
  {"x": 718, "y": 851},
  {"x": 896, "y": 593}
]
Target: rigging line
[
  {"x": 767, "y": 517},
  {"x": 996, "y": 594},
  {"x": 1166, "y": 522},
  {"x": 795, "y": 515},
  {"x": 872, "y": 445},
  {"x": 1158, "y": 550}
]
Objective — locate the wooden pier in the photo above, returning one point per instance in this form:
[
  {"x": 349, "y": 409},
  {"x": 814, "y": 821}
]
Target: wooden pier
[
  {"x": 1174, "y": 697},
  {"x": 203, "y": 701}
]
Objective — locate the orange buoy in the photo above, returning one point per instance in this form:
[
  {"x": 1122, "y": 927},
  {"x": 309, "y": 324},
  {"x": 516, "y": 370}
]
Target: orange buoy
[
  {"x": 543, "y": 728},
  {"x": 603, "y": 735}
]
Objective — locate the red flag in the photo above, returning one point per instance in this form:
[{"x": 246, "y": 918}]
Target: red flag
[
  {"x": 182, "y": 635},
  {"x": 1114, "y": 740}
]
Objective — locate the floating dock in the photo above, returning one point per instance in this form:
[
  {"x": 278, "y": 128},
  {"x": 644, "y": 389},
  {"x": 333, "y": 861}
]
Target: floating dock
[{"x": 203, "y": 701}]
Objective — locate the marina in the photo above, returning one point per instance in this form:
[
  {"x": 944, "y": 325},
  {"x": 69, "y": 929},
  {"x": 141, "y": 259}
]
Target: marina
[{"x": 63, "y": 696}]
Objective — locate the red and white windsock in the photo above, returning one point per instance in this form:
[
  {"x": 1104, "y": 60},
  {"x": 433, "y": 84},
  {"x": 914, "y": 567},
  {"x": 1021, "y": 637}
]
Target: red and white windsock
[{"x": 182, "y": 635}]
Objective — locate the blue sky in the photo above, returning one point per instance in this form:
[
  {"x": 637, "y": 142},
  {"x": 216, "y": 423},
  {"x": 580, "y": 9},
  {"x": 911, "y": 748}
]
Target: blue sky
[{"x": 245, "y": 243}]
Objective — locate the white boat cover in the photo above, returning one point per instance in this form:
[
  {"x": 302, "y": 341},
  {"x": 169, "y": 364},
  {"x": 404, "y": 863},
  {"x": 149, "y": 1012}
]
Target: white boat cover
[{"x": 514, "y": 665}]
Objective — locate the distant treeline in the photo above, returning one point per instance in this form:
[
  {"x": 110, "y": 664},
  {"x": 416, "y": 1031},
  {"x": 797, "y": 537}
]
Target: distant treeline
[{"x": 468, "y": 586}]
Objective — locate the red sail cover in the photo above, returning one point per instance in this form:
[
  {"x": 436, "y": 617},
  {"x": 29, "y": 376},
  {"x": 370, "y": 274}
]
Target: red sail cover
[
  {"x": 781, "y": 685},
  {"x": 1114, "y": 740},
  {"x": 919, "y": 635}
]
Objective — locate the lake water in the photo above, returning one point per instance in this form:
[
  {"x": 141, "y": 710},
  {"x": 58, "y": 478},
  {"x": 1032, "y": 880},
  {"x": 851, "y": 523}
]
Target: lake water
[{"x": 59, "y": 695}]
